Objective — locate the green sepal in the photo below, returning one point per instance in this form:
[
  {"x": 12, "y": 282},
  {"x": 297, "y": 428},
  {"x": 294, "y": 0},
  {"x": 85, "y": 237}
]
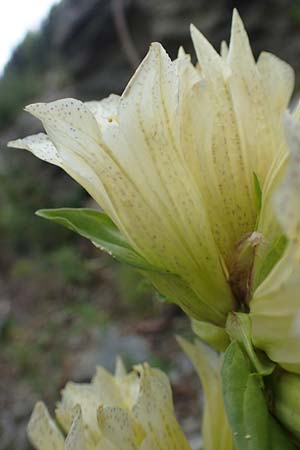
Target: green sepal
[
  {"x": 280, "y": 439},
  {"x": 212, "y": 334},
  {"x": 238, "y": 326},
  {"x": 100, "y": 230},
  {"x": 256, "y": 415},
  {"x": 252, "y": 425},
  {"x": 235, "y": 372}
]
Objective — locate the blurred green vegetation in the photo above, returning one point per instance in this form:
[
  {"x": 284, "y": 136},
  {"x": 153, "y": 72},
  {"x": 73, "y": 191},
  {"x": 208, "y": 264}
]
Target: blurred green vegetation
[
  {"x": 17, "y": 90},
  {"x": 23, "y": 78},
  {"x": 21, "y": 193},
  {"x": 135, "y": 292},
  {"x": 294, "y": 12}
]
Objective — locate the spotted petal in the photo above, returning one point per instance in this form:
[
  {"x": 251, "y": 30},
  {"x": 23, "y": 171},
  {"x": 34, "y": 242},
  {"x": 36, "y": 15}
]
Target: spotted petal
[
  {"x": 42, "y": 430},
  {"x": 154, "y": 411}
]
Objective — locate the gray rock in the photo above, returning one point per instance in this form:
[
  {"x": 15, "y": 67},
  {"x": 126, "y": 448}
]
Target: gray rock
[{"x": 106, "y": 347}]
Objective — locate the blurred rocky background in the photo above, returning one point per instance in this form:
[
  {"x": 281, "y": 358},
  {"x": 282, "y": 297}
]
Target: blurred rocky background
[{"x": 65, "y": 307}]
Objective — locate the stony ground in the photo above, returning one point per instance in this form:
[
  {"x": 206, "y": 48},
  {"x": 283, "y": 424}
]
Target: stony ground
[{"x": 54, "y": 330}]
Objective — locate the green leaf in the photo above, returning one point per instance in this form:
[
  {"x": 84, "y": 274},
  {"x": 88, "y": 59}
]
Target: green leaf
[
  {"x": 252, "y": 424},
  {"x": 98, "y": 228},
  {"x": 235, "y": 373},
  {"x": 238, "y": 326},
  {"x": 258, "y": 192},
  {"x": 256, "y": 415},
  {"x": 213, "y": 335}
]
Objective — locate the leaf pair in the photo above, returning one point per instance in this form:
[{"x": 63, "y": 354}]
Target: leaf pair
[{"x": 253, "y": 427}]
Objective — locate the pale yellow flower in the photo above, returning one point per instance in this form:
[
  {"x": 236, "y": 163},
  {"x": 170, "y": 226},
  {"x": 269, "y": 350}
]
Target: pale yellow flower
[
  {"x": 131, "y": 411},
  {"x": 186, "y": 163}
]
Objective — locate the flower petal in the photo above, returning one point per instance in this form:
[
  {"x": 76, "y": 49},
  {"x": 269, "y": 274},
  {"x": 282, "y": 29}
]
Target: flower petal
[
  {"x": 224, "y": 50},
  {"x": 76, "y": 164},
  {"x": 256, "y": 132},
  {"x": 278, "y": 79},
  {"x": 275, "y": 307},
  {"x": 105, "y": 111},
  {"x": 76, "y": 439},
  {"x": 260, "y": 93},
  {"x": 154, "y": 411},
  {"x": 183, "y": 239},
  {"x": 224, "y": 167},
  {"x": 42, "y": 430},
  {"x": 106, "y": 388},
  {"x": 120, "y": 370},
  {"x": 85, "y": 396},
  {"x": 127, "y": 153},
  {"x": 41, "y": 146},
  {"x": 150, "y": 102},
  {"x": 137, "y": 173},
  {"x": 119, "y": 428},
  {"x": 207, "y": 364}
]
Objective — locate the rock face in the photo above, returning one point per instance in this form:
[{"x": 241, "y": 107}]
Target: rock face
[
  {"x": 93, "y": 44},
  {"x": 89, "y": 48}
]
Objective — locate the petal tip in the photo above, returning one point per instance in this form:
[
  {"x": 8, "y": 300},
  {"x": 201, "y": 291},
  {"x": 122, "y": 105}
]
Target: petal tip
[
  {"x": 157, "y": 50},
  {"x": 14, "y": 143},
  {"x": 32, "y": 107},
  {"x": 35, "y": 109},
  {"x": 237, "y": 22},
  {"x": 235, "y": 15},
  {"x": 194, "y": 32},
  {"x": 237, "y": 25}
]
